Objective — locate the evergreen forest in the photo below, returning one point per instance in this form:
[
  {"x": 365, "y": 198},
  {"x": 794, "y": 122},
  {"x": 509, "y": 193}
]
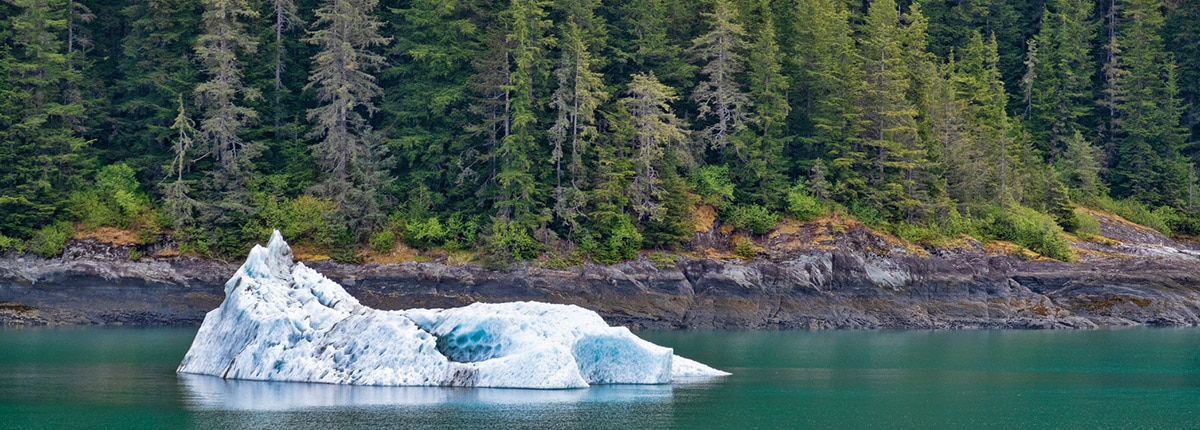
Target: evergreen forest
[{"x": 589, "y": 130}]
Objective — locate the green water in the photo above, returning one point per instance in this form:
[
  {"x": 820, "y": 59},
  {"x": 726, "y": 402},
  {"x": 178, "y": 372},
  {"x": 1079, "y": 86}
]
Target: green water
[{"x": 1139, "y": 378}]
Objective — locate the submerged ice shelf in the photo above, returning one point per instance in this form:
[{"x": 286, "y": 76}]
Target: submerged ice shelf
[{"x": 285, "y": 322}]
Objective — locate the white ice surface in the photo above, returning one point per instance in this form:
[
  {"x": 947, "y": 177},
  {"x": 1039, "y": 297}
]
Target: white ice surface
[{"x": 285, "y": 322}]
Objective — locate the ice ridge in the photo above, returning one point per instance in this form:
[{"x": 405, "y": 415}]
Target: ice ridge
[{"x": 283, "y": 321}]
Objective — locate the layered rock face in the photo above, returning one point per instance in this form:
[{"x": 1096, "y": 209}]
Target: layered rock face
[{"x": 816, "y": 276}]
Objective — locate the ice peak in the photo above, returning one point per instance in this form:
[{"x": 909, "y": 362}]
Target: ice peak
[
  {"x": 285, "y": 322},
  {"x": 274, "y": 261}
]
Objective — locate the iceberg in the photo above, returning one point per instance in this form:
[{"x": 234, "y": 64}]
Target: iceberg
[{"x": 283, "y": 321}]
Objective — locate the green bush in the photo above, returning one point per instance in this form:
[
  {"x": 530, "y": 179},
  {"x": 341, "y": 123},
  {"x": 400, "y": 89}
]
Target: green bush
[
  {"x": 113, "y": 200},
  {"x": 425, "y": 234},
  {"x": 1088, "y": 224},
  {"x": 663, "y": 260},
  {"x": 1136, "y": 212},
  {"x": 917, "y": 233},
  {"x": 193, "y": 240},
  {"x": 10, "y": 244},
  {"x": 712, "y": 184},
  {"x": 304, "y": 219},
  {"x": 866, "y": 213},
  {"x": 802, "y": 205},
  {"x": 1029, "y": 228},
  {"x": 620, "y": 241},
  {"x": 508, "y": 242},
  {"x": 383, "y": 241},
  {"x": 752, "y": 217},
  {"x": 50, "y": 240},
  {"x": 743, "y": 247},
  {"x": 460, "y": 232}
]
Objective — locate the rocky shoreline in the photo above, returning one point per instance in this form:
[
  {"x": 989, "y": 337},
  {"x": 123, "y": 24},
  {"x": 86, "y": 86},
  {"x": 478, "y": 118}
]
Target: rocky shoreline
[{"x": 811, "y": 276}]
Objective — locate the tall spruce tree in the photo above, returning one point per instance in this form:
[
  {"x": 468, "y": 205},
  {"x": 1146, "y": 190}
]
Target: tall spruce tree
[
  {"x": 222, "y": 101},
  {"x": 519, "y": 192},
  {"x": 830, "y": 82},
  {"x": 155, "y": 66},
  {"x": 894, "y": 150},
  {"x": 763, "y": 180},
  {"x": 1149, "y": 139},
  {"x": 342, "y": 75},
  {"x": 647, "y": 45},
  {"x": 657, "y": 133},
  {"x": 978, "y": 83},
  {"x": 426, "y": 104},
  {"x": 1182, "y": 35},
  {"x": 1058, "y": 86},
  {"x": 41, "y": 154},
  {"x": 579, "y": 93},
  {"x": 721, "y": 94}
]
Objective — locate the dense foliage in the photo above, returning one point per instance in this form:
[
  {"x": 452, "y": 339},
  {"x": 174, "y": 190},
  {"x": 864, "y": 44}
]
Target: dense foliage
[{"x": 591, "y": 129}]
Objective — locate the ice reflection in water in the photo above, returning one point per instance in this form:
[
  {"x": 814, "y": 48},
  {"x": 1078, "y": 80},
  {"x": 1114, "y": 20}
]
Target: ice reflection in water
[{"x": 204, "y": 392}]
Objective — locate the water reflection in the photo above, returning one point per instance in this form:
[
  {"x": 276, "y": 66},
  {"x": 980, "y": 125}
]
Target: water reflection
[{"x": 202, "y": 392}]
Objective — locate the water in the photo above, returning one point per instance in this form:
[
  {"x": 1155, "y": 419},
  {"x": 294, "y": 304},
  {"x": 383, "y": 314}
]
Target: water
[{"x": 1138, "y": 378}]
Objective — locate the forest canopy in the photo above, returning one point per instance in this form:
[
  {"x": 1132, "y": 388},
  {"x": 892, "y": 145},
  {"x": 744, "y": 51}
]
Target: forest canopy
[{"x": 591, "y": 129}]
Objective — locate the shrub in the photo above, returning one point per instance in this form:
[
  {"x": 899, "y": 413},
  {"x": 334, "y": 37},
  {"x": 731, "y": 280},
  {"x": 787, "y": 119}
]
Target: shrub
[
  {"x": 712, "y": 184},
  {"x": 662, "y": 260},
  {"x": 113, "y": 200},
  {"x": 304, "y": 219},
  {"x": 425, "y": 234},
  {"x": 508, "y": 242},
  {"x": 383, "y": 241},
  {"x": 802, "y": 205},
  {"x": 10, "y": 244},
  {"x": 917, "y": 233},
  {"x": 621, "y": 241},
  {"x": 743, "y": 247},
  {"x": 1031, "y": 229},
  {"x": 1088, "y": 224},
  {"x": 1136, "y": 212},
  {"x": 460, "y": 232},
  {"x": 752, "y": 217},
  {"x": 50, "y": 240}
]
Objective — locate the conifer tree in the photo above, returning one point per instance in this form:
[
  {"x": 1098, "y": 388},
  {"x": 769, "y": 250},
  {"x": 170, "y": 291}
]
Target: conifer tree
[
  {"x": 762, "y": 179},
  {"x": 894, "y": 151},
  {"x": 978, "y": 83},
  {"x": 41, "y": 154},
  {"x": 518, "y": 188},
  {"x": 426, "y": 103},
  {"x": 721, "y": 95},
  {"x": 960, "y": 156},
  {"x": 285, "y": 17},
  {"x": 156, "y": 67},
  {"x": 579, "y": 93},
  {"x": 1058, "y": 85},
  {"x": 222, "y": 99},
  {"x": 646, "y": 45},
  {"x": 1182, "y": 36},
  {"x": 656, "y": 133},
  {"x": 830, "y": 81},
  {"x": 1149, "y": 139},
  {"x": 345, "y": 87},
  {"x": 178, "y": 204}
]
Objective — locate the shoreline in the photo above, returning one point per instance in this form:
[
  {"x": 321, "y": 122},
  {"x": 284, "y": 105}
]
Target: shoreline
[{"x": 811, "y": 276}]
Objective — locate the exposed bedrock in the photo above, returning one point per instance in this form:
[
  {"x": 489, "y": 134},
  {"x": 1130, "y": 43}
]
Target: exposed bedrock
[{"x": 848, "y": 287}]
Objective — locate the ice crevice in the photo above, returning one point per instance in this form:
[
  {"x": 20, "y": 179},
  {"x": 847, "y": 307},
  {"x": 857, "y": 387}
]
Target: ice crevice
[{"x": 283, "y": 321}]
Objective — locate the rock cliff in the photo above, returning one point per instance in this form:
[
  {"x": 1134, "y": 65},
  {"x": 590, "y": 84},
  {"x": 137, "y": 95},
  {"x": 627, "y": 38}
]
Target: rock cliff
[{"x": 818, "y": 275}]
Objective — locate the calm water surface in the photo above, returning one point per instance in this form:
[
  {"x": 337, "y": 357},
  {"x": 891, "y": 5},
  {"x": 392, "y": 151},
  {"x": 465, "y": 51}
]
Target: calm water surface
[{"x": 1138, "y": 378}]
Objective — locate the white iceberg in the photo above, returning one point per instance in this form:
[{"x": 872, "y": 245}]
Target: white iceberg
[{"x": 285, "y": 322}]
